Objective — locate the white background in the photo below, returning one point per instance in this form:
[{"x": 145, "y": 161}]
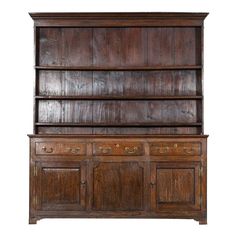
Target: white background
[{"x": 16, "y": 91}]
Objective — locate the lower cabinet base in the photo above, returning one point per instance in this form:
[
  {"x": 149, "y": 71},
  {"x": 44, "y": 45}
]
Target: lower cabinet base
[
  {"x": 200, "y": 217},
  {"x": 114, "y": 177},
  {"x": 33, "y": 220},
  {"x": 203, "y": 221}
]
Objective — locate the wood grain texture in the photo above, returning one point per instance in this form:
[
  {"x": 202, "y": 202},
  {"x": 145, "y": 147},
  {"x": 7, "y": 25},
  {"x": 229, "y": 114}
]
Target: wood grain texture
[
  {"x": 120, "y": 130},
  {"x": 120, "y": 68},
  {"x": 65, "y": 46},
  {"x": 158, "y": 111},
  {"x": 49, "y": 111},
  {"x": 119, "y": 46},
  {"x": 107, "y": 84},
  {"x": 63, "y": 188},
  {"x": 118, "y": 112},
  {"x": 122, "y": 83},
  {"x": 118, "y": 116},
  {"x": 161, "y": 51},
  {"x": 59, "y": 186},
  {"x": 175, "y": 46},
  {"x": 66, "y": 148},
  {"x": 106, "y": 46},
  {"x": 118, "y": 149},
  {"x": 129, "y": 19},
  {"x": 171, "y": 185},
  {"x": 50, "y": 50},
  {"x": 123, "y": 190},
  {"x": 178, "y": 186},
  {"x": 176, "y": 149},
  {"x": 77, "y": 46}
]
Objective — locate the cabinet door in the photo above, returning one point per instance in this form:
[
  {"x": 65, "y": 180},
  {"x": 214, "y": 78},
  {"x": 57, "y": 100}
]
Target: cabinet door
[
  {"x": 118, "y": 186},
  {"x": 60, "y": 186},
  {"x": 175, "y": 186}
]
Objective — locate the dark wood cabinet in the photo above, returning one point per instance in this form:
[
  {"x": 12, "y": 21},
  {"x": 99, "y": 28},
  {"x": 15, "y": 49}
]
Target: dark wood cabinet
[{"x": 118, "y": 116}]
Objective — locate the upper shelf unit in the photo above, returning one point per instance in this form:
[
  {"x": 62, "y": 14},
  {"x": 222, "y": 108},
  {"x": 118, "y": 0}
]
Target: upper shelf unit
[{"x": 118, "y": 73}]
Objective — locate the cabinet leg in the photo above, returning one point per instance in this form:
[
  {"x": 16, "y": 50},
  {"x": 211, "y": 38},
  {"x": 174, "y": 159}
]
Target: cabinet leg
[
  {"x": 32, "y": 220},
  {"x": 203, "y": 221}
]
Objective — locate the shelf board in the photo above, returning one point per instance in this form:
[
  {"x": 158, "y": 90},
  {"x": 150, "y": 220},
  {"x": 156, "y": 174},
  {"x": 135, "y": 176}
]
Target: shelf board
[
  {"x": 120, "y": 125},
  {"x": 118, "y": 97},
  {"x": 120, "y": 68}
]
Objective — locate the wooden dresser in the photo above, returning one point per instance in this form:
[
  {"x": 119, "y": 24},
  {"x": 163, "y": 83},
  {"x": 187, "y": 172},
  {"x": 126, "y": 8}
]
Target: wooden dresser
[{"x": 118, "y": 116}]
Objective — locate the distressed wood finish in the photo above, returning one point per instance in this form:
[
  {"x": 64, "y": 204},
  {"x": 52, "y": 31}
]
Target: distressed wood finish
[
  {"x": 118, "y": 148},
  {"x": 118, "y": 112},
  {"x": 116, "y": 181},
  {"x": 66, "y": 148},
  {"x": 168, "y": 67},
  {"x": 118, "y": 186},
  {"x": 176, "y": 186},
  {"x": 119, "y": 46},
  {"x": 175, "y": 149},
  {"x": 118, "y": 116}
]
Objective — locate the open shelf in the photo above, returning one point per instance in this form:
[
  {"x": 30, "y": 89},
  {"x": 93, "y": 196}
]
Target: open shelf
[
  {"x": 120, "y": 125},
  {"x": 158, "y": 89},
  {"x": 117, "y": 68},
  {"x": 118, "y": 98}
]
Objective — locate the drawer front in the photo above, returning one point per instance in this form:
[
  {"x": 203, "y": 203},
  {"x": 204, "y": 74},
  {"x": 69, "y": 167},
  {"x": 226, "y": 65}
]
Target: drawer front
[
  {"x": 60, "y": 148},
  {"x": 175, "y": 149},
  {"x": 118, "y": 149}
]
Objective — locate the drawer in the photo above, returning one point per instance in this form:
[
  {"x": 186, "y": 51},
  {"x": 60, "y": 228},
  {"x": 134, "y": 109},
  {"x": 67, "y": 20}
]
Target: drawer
[
  {"x": 60, "y": 148},
  {"x": 118, "y": 148},
  {"x": 175, "y": 148}
]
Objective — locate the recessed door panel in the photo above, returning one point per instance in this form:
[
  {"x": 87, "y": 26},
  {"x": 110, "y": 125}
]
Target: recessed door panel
[
  {"x": 118, "y": 186},
  {"x": 175, "y": 186},
  {"x": 61, "y": 187}
]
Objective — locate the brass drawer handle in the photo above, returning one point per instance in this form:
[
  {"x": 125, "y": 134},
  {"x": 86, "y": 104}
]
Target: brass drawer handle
[
  {"x": 131, "y": 150},
  {"x": 74, "y": 150},
  {"x": 105, "y": 150},
  {"x": 188, "y": 150},
  {"x": 45, "y": 149},
  {"x": 163, "y": 150}
]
